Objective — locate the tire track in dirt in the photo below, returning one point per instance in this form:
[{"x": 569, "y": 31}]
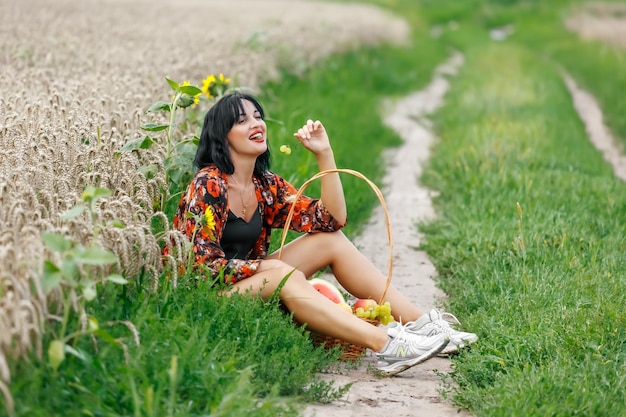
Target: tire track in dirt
[
  {"x": 414, "y": 392},
  {"x": 591, "y": 115}
]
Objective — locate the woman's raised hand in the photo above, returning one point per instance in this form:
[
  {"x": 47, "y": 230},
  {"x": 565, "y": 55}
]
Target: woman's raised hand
[{"x": 313, "y": 137}]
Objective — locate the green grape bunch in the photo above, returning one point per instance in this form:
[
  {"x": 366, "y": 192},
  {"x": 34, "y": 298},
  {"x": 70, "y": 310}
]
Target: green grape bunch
[
  {"x": 383, "y": 313},
  {"x": 370, "y": 309}
]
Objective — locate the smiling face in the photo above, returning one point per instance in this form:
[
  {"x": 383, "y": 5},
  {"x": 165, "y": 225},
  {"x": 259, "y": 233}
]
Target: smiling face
[{"x": 247, "y": 136}]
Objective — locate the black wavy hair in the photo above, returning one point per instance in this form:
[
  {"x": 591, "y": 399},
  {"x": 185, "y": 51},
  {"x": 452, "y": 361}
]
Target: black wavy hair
[{"x": 213, "y": 146}]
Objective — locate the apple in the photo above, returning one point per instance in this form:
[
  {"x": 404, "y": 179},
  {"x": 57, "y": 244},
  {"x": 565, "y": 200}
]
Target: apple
[{"x": 365, "y": 304}]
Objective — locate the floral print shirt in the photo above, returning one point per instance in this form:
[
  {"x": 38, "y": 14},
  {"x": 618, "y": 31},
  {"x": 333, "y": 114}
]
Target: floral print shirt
[{"x": 206, "y": 199}]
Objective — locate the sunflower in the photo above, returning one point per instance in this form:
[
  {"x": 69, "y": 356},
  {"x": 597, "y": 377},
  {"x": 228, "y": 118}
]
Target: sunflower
[
  {"x": 208, "y": 222},
  {"x": 214, "y": 86}
]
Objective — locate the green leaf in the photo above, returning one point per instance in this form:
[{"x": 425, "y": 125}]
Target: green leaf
[
  {"x": 92, "y": 324},
  {"x": 159, "y": 105},
  {"x": 117, "y": 279},
  {"x": 51, "y": 276},
  {"x": 73, "y": 213},
  {"x": 74, "y": 352},
  {"x": 173, "y": 84},
  {"x": 191, "y": 142},
  {"x": 184, "y": 101},
  {"x": 56, "y": 242},
  {"x": 191, "y": 90},
  {"x": 117, "y": 223},
  {"x": 104, "y": 335},
  {"x": 153, "y": 127},
  {"x": 69, "y": 269},
  {"x": 187, "y": 148},
  {"x": 96, "y": 255},
  {"x": 138, "y": 143},
  {"x": 92, "y": 194},
  {"x": 149, "y": 171}
]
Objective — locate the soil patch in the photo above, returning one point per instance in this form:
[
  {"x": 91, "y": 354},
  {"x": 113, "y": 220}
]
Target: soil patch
[{"x": 600, "y": 21}]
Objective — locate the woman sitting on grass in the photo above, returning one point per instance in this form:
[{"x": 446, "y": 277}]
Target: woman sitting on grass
[{"x": 244, "y": 201}]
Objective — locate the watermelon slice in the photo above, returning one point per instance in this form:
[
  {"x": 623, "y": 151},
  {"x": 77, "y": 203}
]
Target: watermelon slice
[{"x": 327, "y": 289}]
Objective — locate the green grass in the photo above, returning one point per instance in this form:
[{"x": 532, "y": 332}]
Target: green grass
[
  {"x": 198, "y": 354},
  {"x": 541, "y": 283}
]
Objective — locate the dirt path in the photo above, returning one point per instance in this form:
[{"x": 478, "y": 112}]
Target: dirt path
[
  {"x": 602, "y": 21},
  {"x": 414, "y": 392}
]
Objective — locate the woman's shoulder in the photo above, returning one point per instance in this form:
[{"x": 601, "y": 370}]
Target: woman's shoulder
[
  {"x": 209, "y": 173},
  {"x": 210, "y": 179}
]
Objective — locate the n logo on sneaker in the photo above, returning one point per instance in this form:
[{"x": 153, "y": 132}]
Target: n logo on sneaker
[{"x": 402, "y": 351}]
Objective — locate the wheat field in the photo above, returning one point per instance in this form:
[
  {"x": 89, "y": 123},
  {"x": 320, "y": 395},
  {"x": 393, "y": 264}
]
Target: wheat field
[{"x": 76, "y": 79}]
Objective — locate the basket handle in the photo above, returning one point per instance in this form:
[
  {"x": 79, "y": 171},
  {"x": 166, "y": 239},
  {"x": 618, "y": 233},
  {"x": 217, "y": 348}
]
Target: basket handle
[{"x": 379, "y": 194}]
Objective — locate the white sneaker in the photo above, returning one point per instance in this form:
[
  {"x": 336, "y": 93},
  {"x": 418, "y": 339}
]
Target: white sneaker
[
  {"x": 404, "y": 350},
  {"x": 436, "y": 322}
]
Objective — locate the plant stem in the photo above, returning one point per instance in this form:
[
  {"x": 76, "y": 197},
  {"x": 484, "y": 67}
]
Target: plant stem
[{"x": 168, "y": 152}]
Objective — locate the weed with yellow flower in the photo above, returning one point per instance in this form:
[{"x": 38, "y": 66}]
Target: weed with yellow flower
[{"x": 179, "y": 141}]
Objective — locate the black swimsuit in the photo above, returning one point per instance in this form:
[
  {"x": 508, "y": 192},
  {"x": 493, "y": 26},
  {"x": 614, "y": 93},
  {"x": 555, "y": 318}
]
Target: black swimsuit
[{"x": 240, "y": 236}]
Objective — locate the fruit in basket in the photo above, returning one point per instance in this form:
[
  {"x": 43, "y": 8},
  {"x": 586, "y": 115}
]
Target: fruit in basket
[
  {"x": 365, "y": 303},
  {"x": 327, "y": 289},
  {"x": 365, "y": 308},
  {"x": 383, "y": 313},
  {"x": 369, "y": 309},
  {"x": 346, "y": 307}
]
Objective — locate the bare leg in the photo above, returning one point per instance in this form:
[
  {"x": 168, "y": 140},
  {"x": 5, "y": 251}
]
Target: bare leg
[
  {"x": 355, "y": 273},
  {"x": 310, "y": 307}
]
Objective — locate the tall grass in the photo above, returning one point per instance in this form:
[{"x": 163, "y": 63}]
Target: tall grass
[{"x": 194, "y": 353}]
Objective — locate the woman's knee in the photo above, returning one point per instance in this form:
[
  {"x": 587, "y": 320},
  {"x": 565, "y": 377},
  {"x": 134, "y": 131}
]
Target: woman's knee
[
  {"x": 290, "y": 280},
  {"x": 290, "y": 274},
  {"x": 278, "y": 271}
]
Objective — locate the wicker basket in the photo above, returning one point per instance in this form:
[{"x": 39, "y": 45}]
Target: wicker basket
[{"x": 350, "y": 351}]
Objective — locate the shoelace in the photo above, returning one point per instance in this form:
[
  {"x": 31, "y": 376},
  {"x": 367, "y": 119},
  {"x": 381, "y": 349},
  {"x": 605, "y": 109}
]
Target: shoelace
[
  {"x": 449, "y": 317},
  {"x": 401, "y": 335},
  {"x": 443, "y": 321}
]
